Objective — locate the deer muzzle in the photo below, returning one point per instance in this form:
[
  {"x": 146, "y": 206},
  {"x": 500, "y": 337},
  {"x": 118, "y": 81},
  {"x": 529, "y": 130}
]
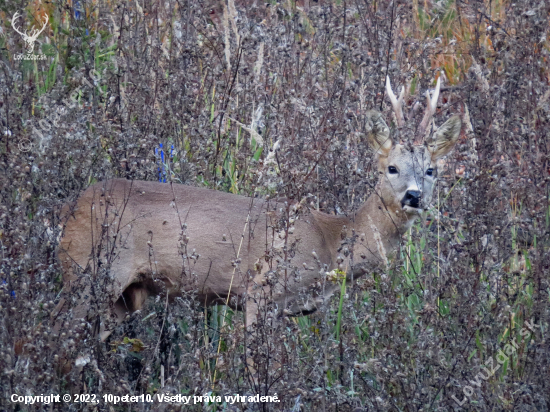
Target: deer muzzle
[{"x": 412, "y": 199}]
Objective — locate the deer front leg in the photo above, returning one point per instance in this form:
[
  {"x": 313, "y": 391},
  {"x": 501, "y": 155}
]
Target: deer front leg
[
  {"x": 259, "y": 329},
  {"x": 256, "y": 304}
]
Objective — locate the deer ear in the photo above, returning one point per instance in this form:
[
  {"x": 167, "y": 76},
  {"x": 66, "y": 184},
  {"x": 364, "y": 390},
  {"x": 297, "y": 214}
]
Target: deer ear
[
  {"x": 378, "y": 133},
  {"x": 445, "y": 137}
]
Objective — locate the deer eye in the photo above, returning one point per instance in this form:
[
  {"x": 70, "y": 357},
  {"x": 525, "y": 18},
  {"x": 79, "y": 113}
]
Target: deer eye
[
  {"x": 392, "y": 170},
  {"x": 430, "y": 172}
]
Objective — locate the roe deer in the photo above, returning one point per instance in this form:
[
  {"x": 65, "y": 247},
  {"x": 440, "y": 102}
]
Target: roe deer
[{"x": 242, "y": 251}]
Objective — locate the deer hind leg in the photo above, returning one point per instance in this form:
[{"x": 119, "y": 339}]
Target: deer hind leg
[
  {"x": 257, "y": 300},
  {"x": 130, "y": 300}
]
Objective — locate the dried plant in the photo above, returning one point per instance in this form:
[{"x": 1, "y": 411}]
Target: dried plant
[{"x": 269, "y": 99}]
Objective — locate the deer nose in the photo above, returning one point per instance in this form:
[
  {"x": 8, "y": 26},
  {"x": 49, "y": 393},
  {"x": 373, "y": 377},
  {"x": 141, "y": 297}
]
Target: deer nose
[{"x": 412, "y": 198}]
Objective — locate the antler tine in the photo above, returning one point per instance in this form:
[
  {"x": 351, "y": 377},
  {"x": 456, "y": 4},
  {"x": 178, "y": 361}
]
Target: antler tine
[
  {"x": 397, "y": 103},
  {"x": 431, "y": 105},
  {"x": 37, "y": 32},
  {"x": 46, "y": 20},
  {"x": 15, "y": 17}
]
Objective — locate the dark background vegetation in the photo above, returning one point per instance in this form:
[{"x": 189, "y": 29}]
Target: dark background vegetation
[{"x": 200, "y": 76}]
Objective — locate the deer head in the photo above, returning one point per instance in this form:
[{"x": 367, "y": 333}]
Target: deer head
[
  {"x": 408, "y": 171},
  {"x": 29, "y": 38}
]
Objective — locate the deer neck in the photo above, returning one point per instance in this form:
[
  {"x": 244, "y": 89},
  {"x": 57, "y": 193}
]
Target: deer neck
[
  {"x": 382, "y": 225},
  {"x": 378, "y": 229}
]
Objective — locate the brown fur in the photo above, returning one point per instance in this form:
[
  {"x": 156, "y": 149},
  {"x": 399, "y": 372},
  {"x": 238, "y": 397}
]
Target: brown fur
[{"x": 180, "y": 238}]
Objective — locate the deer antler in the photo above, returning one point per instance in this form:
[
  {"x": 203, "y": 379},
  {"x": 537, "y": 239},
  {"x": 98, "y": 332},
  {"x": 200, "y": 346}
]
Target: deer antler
[
  {"x": 397, "y": 103},
  {"x": 36, "y": 32},
  {"x": 15, "y": 17},
  {"x": 29, "y": 39},
  {"x": 431, "y": 105}
]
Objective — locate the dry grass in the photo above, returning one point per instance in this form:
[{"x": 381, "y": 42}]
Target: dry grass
[{"x": 222, "y": 83}]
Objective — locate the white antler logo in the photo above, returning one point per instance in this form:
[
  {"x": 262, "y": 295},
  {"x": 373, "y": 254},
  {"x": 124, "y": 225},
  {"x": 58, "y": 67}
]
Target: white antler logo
[{"x": 29, "y": 38}]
